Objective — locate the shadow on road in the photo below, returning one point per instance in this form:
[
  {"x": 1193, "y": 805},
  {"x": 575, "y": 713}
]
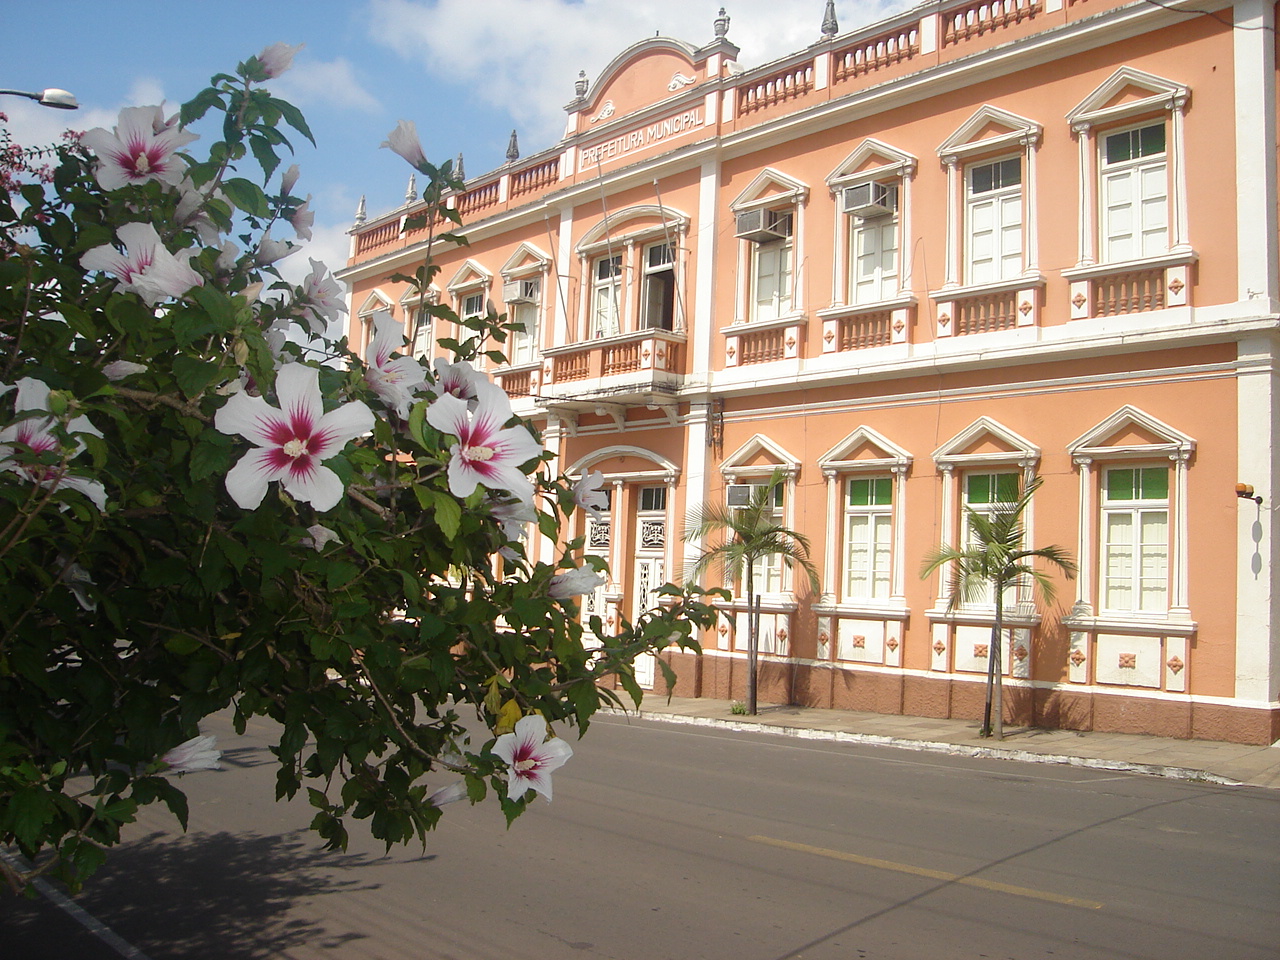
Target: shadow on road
[{"x": 215, "y": 896}]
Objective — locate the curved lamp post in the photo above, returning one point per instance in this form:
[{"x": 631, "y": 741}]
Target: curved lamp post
[{"x": 52, "y": 97}]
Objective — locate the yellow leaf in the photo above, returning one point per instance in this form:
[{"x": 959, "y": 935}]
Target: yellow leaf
[{"x": 507, "y": 718}]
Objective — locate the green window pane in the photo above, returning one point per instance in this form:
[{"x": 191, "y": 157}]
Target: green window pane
[
  {"x": 1155, "y": 483},
  {"x": 1006, "y": 487},
  {"x": 1151, "y": 140},
  {"x": 979, "y": 488},
  {"x": 1120, "y": 484},
  {"x": 1119, "y": 147},
  {"x": 991, "y": 488},
  {"x": 871, "y": 492}
]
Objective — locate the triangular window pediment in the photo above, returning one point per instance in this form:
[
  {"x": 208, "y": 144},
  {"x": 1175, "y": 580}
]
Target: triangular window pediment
[
  {"x": 990, "y": 128},
  {"x": 470, "y": 274},
  {"x": 377, "y": 300},
  {"x": 872, "y": 158},
  {"x": 864, "y": 449},
  {"x": 759, "y": 457},
  {"x": 1128, "y": 92},
  {"x": 1131, "y": 432},
  {"x": 770, "y": 186},
  {"x": 986, "y": 441},
  {"x": 526, "y": 259}
]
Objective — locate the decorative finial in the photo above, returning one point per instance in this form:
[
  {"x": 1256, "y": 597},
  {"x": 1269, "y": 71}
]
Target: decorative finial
[
  {"x": 458, "y": 172},
  {"x": 722, "y": 24},
  {"x": 830, "y": 26},
  {"x": 580, "y": 85},
  {"x": 360, "y": 216},
  {"x": 513, "y": 148},
  {"x": 411, "y": 192}
]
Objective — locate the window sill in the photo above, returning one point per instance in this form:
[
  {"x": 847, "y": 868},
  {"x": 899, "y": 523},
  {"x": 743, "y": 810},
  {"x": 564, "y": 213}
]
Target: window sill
[
  {"x": 864, "y": 610},
  {"x": 739, "y": 327},
  {"x": 1163, "y": 261},
  {"x": 769, "y": 603},
  {"x": 959, "y": 292},
  {"x": 1148, "y": 626},
  {"x": 840, "y": 311},
  {"x": 648, "y": 333},
  {"x": 983, "y": 616}
]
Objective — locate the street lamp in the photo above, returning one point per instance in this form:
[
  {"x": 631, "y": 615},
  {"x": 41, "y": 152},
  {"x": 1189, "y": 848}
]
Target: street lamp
[{"x": 52, "y": 97}]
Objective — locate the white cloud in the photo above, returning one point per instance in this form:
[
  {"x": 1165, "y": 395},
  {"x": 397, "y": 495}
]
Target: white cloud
[
  {"x": 331, "y": 83},
  {"x": 522, "y": 56}
]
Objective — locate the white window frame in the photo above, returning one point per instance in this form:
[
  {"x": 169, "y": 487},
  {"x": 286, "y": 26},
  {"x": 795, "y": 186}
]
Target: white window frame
[
  {"x": 865, "y": 552},
  {"x": 606, "y": 296},
  {"x": 966, "y": 149},
  {"x": 1099, "y": 115},
  {"x": 658, "y": 299},
  {"x": 1138, "y": 579},
  {"x": 523, "y": 346},
  {"x": 778, "y": 258},
  {"x": 1145, "y": 178},
  {"x": 1003, "y": 205},
  {"x": 988, "y": 509},
  {"x": 881, "y": 282},
  {"x": 1093, "y": 454}
]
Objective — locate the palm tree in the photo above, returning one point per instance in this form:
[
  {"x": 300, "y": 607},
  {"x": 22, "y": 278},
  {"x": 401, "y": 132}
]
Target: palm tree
[
  {"x": 749, "y": 534},
  {"x": 996, "y": 559}
]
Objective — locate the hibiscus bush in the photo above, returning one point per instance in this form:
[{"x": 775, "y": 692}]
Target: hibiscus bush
[{"x": 208, "y": 503}]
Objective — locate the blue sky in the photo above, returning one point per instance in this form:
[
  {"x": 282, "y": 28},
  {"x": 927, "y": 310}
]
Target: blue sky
[{"x": 466, "y": 71}]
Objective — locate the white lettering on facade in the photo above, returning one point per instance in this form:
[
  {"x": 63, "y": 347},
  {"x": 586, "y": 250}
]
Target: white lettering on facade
[{"x": 641, "y": 137}]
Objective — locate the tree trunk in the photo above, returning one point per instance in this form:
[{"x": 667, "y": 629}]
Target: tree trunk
[
  {"x": 997, "y": 665},
  {"x": 753, "y": 642}
]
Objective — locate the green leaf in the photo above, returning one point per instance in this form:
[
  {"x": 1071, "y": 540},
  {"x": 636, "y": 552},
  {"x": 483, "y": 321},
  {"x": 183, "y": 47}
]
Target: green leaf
[
  {"x": 248, "y": 196},
  {"x": 30, "y": 809},
  {"x": 194, "y": 376},
  {"x": 448, "y": 514}
]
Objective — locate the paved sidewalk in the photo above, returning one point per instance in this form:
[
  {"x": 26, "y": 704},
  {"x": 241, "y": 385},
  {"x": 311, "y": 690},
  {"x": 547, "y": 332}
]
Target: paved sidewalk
[{"x": 1227, "y": 763}]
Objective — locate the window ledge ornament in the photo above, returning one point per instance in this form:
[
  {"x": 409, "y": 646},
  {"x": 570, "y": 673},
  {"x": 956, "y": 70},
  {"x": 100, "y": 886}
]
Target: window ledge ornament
[
  {"x": 1029, "y": 281},
  {"x": 840, "y": 310},
  {"x": 1174, "y": 258}
]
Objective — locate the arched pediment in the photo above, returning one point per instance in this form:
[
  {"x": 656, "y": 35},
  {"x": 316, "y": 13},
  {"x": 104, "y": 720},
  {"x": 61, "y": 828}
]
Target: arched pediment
[
  {"x": 759, "y": 456},
  {"x": 986, "y": 441},
  {"x": 664, "y": 55},
  {"x": 635, "y": 221},
  {"x": 613, "y": 462}
]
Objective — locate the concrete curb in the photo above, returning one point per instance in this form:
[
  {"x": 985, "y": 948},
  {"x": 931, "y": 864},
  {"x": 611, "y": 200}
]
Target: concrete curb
[{"x": 934, "y": 746}]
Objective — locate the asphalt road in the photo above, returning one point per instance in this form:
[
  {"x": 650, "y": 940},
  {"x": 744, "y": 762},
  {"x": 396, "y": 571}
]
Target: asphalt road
[{"x": 666, "y": 842}]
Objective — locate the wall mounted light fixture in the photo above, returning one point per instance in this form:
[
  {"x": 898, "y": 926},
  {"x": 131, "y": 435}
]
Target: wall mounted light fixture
[{"x": 1245, "y": 492}]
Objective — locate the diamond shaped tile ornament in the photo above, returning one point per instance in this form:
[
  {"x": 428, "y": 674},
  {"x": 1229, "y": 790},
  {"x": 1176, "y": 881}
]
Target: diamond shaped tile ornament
[
  {"x": 791, "y": 342},
  {"x": 939, "y": 647},
  {"x": 899, "y": 326},
  {"x": 828, "y": 336},
  {"x": 859, "y": 643},
  {"x": 1025, "y": 308},
  {"x": 1079, "y": 300},
  {"x": 1020, "y": 653},
  {"x": 944, "y": 319},
  {"x": 723, "y": 630},
  {"x": 646, "y": 353},
  {"x": 1176, "y": 664},
  {"x": 1128, "y": 661},
  {"x": 892, "y": 643},
  {"x": 1177, "y": 285},
  {"x": 782, "y": 634},
  {"x": 731, "y": 351},
  {"x": 980, "y": 650},
  {"x": 1078, "y": 657}
]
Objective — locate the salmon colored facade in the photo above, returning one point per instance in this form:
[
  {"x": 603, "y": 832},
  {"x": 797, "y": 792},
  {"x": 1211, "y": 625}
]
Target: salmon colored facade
[{"x": 914, "y": 266}]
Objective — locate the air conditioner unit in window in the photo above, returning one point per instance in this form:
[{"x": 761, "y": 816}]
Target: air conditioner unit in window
[
  {"x": 520, "y": 291},
  {"x": 870, "y": 200},
  {"x": 762, "y": 226},
  {"x": 739, "y": 494}
]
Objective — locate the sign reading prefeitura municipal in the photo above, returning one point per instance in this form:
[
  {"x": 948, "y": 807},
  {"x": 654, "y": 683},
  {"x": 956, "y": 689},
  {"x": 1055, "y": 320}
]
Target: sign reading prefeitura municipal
[{"x": 641, "y": 137}]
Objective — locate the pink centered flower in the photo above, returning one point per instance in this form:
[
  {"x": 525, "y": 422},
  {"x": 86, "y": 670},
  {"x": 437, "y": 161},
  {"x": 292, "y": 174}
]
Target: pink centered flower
[
  {"x": 320, "y": 298},
  {"x": 394, "y": 381},
  {"x": 143, "y": 146},
  {"x": 456, "y": 379},
  {"x": 146, "y": 267},
  {"x": 487, "y": 453},
  {"x": 529, "y": 759},
  {"x": 292, "y": 441},
  {"x": 36, "y": 435},
  {"x": 277, "y": 58}
]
